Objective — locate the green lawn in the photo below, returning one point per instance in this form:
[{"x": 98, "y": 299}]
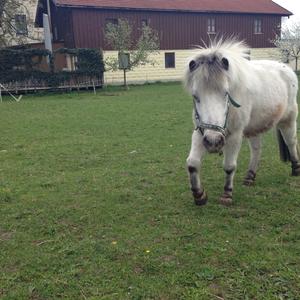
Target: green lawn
[{"x": 95, "y": 204}]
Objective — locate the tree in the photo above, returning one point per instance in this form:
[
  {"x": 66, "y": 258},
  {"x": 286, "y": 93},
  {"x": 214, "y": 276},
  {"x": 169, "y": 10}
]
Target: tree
[
  {"x": 289, "y": 43},
  {"x": 12, "y": 21},
  {"x": 119, "y": 37}
]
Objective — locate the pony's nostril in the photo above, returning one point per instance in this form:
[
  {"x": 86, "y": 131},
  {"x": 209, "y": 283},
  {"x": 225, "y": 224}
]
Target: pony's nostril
[
  {"x": 221, "y": 141},
  {"x": 217, "y": 143},
  {"x": 207, "y": 142}
]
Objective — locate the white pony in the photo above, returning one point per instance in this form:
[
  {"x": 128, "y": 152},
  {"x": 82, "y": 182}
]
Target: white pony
[{"x": 235, "y": 98}]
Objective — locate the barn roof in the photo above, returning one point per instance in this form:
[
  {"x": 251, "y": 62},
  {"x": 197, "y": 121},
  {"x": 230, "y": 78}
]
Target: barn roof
[{"x": 229, "y": 6}]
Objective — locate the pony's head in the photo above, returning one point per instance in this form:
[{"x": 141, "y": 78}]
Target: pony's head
[{"x": 210, "y": 76}]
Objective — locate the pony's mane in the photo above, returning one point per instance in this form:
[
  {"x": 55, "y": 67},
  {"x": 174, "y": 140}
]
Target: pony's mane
[
  {"x": 210, "y": 70},
  {"x": 232, "y": 45}
]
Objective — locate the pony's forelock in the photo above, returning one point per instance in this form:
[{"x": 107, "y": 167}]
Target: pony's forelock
[
  {"x": 214, "y": 74},
  {"x": 233, "y": 45}
]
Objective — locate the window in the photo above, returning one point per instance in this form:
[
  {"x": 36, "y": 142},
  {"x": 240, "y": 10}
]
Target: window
[
  {"x": 124, "y": 61},
  {"x": 169, "y": 60},
  {"x": 257, "y": 26},
  {"x": 144, "y": 22},
  {"x": 211, "y": 25},
  {"x": 21, "y": 24}
]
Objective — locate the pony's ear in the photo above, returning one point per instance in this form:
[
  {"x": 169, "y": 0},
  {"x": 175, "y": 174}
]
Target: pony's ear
[
  {"x": 192, "y": 65},
  {"x": 225, "y": 63}
]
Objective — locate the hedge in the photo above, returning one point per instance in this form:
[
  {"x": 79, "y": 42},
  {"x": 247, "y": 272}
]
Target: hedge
[{"x": 25, "y": 64}]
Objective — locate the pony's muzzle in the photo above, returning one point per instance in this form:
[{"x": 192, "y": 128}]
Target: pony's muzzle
[{"x": 213, "y": 141}]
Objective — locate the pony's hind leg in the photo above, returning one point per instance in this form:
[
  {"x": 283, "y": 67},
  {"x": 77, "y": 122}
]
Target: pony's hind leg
[
  {"x": 255, "y": 149},
  {"x": 289, "y": 133},
  {"x": 231, "y": 152},
  {"x": 193, "y": 165}
]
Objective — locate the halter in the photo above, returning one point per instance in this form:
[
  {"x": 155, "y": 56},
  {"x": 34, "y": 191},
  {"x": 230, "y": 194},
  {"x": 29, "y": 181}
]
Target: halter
[{"x": 222, "y": 129}]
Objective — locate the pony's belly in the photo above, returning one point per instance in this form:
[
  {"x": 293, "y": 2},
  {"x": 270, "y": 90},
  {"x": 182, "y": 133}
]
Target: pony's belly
[
  {"x": 254, "y": 131},
  {"x": 260, "y": 123}
]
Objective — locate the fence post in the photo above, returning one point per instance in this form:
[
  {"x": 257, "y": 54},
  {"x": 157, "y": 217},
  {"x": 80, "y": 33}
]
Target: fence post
[{"x": 94, "y": 86}]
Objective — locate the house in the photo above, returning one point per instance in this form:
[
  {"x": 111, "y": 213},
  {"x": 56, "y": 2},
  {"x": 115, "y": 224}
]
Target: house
[
  {"x": 23, "y": 25},
  {"x": 181, "y": 25}
]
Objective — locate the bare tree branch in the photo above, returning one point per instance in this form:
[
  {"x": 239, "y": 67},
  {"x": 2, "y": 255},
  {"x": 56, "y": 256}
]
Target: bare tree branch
[{"x": 289, "y": 43}]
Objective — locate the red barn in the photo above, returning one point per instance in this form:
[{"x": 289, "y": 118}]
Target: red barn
[{"x": 181, "y": 24}]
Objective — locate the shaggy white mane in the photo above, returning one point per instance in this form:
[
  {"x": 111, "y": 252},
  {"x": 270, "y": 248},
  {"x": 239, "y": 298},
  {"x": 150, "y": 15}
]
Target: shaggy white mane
[
  {"x": 211, "y": 64},
  {"x": 233, "y": 46}
]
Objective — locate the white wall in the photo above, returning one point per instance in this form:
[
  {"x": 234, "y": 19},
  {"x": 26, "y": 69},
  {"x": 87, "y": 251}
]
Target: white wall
[{"x": 158, "y": 72}]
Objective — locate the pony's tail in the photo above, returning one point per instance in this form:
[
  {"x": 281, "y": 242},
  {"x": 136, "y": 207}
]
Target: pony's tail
[{"x": 283, "y": 148}]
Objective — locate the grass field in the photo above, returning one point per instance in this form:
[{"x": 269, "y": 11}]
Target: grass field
[{"x": 95, "y": 204}]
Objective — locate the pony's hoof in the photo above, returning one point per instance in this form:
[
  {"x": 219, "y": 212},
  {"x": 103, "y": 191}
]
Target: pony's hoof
[
  {"x": 296, "y": 172},
  {"x": 226, "y": 200},
  {"x": 200, "y": 200},
  {"x": 250, "y": 178},
  {"x": 296, "y": 169},
  {"x": 248, "y": 182}
]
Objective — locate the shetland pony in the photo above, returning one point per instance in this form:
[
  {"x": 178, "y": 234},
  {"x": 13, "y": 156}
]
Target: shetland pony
[{"x": 235, "y": 98}]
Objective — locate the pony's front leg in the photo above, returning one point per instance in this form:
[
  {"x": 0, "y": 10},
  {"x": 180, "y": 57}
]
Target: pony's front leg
[
  {"x": 193, "y": 165},
  {"x": 255, "y": 148},
  {"x": 231, "y": 152}
]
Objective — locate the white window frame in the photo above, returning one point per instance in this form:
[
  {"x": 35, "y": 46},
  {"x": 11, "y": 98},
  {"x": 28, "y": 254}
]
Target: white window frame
[
  {"x": 258, "y": 26},
  {"x": 211, "y": 25}
]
